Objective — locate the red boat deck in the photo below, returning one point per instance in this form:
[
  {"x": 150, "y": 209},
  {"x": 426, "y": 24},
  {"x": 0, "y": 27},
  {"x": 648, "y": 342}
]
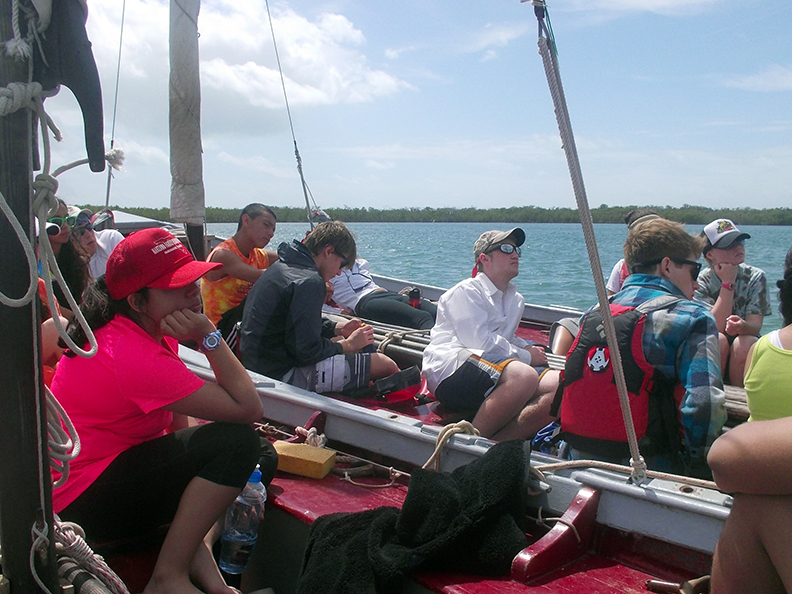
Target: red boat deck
[{"x": 614, "y": 562}]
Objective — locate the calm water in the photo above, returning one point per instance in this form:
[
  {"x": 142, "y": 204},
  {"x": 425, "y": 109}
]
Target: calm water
[{"x": 555, "y": 268}]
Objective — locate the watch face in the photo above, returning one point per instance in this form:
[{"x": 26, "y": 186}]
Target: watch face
[{"x": 211, "y": 341}]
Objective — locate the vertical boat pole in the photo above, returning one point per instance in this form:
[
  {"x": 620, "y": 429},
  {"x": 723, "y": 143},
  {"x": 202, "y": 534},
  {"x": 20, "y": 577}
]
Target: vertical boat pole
[
  {"x": 22, "y": 478},
  {"x": 187, "y": 188}
]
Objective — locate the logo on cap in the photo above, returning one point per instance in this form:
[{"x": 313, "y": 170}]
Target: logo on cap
[{"x": 725, "y": 225}]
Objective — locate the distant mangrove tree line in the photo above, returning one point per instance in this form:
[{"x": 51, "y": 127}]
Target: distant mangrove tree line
[{"x": 692, "y": 215}]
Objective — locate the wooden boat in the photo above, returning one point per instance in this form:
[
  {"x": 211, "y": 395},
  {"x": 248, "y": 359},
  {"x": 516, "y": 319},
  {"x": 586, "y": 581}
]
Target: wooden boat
[{"x": 612, "y": 536}]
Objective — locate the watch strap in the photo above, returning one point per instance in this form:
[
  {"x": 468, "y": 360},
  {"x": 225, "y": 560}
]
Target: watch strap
[{"x": 728, "y": 286}]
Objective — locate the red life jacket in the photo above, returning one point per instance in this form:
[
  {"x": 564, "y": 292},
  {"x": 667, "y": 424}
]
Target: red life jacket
[{"x": 591, "y": 417}]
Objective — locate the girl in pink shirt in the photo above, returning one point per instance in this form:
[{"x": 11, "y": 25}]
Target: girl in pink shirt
[{"x": 131, "y": 475}]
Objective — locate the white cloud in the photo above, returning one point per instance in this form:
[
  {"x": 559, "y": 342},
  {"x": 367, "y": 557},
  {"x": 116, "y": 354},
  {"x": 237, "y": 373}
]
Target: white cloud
[
  {"x": 772, "y": 78},
  {"x": 374, "y": 164},
  {"x": 322, "y": 58},
  {"x": 492, "y": 36},
  {"x": 667, "y": 7},
  {"x": 256, "y": 163}
]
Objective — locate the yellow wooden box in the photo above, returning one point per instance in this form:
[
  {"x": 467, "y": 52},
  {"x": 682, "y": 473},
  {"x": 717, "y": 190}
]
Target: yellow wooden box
[{"x": 303, "y": 459}]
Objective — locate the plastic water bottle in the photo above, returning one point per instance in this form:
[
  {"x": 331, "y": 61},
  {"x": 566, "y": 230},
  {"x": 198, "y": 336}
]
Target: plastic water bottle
[{"x": 241, "y": 525}]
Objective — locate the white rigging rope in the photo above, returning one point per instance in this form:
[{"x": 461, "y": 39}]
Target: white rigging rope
[
  {"x": 62, "y": 448},
  {"x": 306, "y": 189},
  {"x": 115, "y": 102},
  {"x": 552, "y": 72}
]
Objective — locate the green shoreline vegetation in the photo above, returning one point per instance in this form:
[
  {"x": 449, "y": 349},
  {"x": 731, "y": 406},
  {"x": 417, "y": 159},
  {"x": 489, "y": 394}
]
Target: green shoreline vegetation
[{"x": 691, "y": 215}]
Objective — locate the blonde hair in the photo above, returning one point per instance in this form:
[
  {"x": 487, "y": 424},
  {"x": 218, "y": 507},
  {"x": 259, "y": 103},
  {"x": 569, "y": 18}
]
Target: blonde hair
[{"x": 653, "y": 240}]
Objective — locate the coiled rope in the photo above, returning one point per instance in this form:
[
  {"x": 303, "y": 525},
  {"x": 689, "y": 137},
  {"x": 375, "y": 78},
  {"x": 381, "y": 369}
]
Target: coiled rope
[
  {"x": 70, "y": 540},
  {"x": 550, "y": 62}
]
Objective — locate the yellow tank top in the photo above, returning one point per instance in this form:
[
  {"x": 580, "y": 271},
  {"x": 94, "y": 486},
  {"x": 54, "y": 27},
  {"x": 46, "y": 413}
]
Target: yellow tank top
[
  {"x": 768, "y": 383},
  {"x": 221, "y": 295}
]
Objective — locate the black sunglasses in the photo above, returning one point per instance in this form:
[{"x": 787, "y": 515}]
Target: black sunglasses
[
  {"x": 695, "y": 267},
  {"x": 344, "y": 259},
  {"x": 81, "y": 229},
  {"x": 506, "y": 248}
]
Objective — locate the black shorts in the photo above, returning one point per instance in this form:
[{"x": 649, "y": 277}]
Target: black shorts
[{"x": 469, "y": 386}]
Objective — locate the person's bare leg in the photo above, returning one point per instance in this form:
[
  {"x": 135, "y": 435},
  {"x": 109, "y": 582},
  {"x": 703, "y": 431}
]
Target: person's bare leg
[
  {"x": 201, "y": 505},
  {"x": 725, "y": 351},
  {"x": 562, "y": 341},
  {"x": 203, "y": 569},
  {"x": 382, "y": 366},
  {"x": 752, "y": 554},
  {"x": 739, "y": 352},
  {"x": 516, "y": 386},
  {"x": 535, "y": 414}
]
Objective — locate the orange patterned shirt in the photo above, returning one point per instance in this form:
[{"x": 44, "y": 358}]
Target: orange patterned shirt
[{"x": 228, "y": 292}]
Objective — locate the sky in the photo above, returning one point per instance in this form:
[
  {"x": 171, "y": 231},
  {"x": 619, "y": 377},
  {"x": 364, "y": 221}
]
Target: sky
[{"x": 430, "y": 103}]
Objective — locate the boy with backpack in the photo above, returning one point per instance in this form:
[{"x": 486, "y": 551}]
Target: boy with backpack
[{"x": 669, "y": 349}]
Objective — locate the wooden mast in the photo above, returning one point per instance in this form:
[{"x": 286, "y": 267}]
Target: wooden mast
[{"x": 20, "y": 370}]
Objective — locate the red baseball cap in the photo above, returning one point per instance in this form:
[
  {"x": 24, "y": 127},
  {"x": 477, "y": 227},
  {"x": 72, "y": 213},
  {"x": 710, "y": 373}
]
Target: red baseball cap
[{"x": 152, "y": 258}]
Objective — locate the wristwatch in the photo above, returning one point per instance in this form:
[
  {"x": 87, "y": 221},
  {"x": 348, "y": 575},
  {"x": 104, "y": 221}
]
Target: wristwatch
[
  {"x": 211, "y": 341},
  {"x": 728, "y": 286}
]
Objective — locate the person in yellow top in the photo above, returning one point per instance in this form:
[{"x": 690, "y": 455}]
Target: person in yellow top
[
  {"x": 243, "y": 258},
  {"x": 768, "y": 366}
]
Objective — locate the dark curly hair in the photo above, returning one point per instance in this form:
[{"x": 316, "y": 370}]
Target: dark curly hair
[
  {"x": 99, "y": 308},
  {"x": 73, "y": 265}
]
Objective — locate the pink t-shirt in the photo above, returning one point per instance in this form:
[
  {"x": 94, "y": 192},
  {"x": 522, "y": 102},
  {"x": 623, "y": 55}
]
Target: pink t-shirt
[{"x": 115, "y": 399}]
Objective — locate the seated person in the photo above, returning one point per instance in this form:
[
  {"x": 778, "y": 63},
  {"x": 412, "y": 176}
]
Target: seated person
[
  {"x": 685, "y": 407},
  {"x": 474, "y": 360},
  {"x": 243, "y": 258},
  {"x": 737, "y": 293},
  {"x": 283, "y": 334},
  {"x": 620, "y": 272},
  {"x": 96, "y": 244},
  {"x": 72, "y": 262},
  {"x": 130, "y": 477},
  {"x": 356, "y": 292},
  {"x": 768, "y": 367},
  {"x": 752, "y": 554},
  {"x": 563, "y": 332}
]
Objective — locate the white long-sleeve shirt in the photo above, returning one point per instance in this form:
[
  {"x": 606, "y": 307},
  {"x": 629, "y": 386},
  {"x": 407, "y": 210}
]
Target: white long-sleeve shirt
[
  {"x": 473, "y": 317},
  {"x": 350, "y": 286}
]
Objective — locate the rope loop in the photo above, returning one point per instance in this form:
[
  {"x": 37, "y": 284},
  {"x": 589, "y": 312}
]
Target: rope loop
[
  {"x": 30, "y": 256},
  {"x": 60, "y": 429},
  {"x": 312, "y": 436},
  {"x": 392, "y": 473},
  {"x": 397, "y": 337},
  {"x": 544, "y": 523},
  {"x": 18, "y": 95},
  {"x": 39, "y": 534},
  {"x": 446, "y": 433}
]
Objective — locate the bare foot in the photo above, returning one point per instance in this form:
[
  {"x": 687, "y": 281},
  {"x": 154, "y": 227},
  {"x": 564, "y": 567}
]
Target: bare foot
[
  {"x": 166, "y": 585},
  {"x": 205, "y": 573}
]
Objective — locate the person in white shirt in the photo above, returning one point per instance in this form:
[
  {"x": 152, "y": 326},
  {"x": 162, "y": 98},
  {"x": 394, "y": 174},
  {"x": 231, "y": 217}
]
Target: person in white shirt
[
  {"x": 95, "y": 244},
  {"x": 357, "y": 293},
  {"x": 475, "y": 361}
]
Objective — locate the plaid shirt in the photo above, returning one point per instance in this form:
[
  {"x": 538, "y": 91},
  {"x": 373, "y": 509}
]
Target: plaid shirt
[{"x": 682, "y": 343}]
